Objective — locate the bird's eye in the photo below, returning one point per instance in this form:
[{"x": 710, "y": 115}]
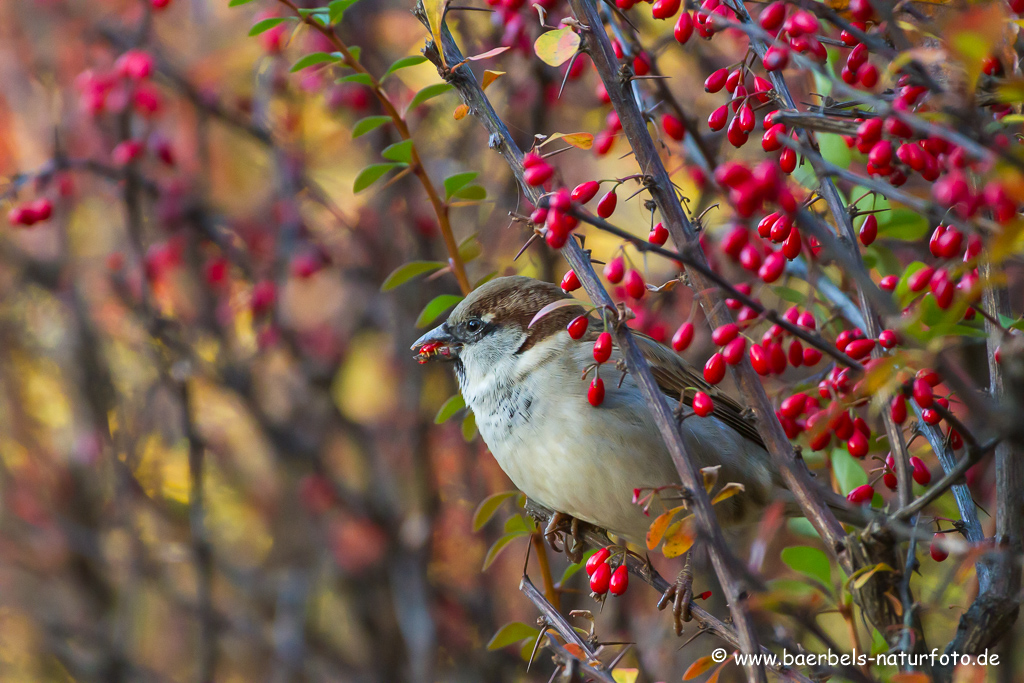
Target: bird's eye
[{"x": 474, "y": 325}]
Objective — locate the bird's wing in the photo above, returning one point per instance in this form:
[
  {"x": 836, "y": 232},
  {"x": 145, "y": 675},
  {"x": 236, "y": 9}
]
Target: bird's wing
[{"x": 674, "y": 375}]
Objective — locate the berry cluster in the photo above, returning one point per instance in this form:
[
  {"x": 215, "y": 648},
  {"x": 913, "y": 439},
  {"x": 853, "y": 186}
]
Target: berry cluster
[{"x": 603, "y": 579}]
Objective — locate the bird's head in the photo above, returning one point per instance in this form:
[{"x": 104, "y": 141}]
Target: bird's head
[{"x": 493, "y": 323}]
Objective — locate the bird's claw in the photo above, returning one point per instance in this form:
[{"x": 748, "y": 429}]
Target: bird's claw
[
  {"x": 559, "y": 527},
  {"x": 680, "y": 594}
]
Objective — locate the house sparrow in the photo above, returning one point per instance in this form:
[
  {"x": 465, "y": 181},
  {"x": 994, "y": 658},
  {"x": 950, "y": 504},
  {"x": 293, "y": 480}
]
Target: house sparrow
[{"x": 526, "y": 388}]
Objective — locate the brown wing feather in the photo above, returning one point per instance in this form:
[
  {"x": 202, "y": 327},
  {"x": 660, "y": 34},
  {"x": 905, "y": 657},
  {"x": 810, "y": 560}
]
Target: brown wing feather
[{"x": 673, "y": 374}]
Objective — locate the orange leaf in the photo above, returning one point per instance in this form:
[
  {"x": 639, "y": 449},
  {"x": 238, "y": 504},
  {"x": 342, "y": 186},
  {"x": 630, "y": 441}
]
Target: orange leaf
[
  {"x": 490, "y": 77},
  {"x": 657, "y": 529},
  {"x": 460, "y": 112},
  {"x": 698, "y": 667},
  {"x": 556, "y": 47},
  {"x": 576, "y": 651}
]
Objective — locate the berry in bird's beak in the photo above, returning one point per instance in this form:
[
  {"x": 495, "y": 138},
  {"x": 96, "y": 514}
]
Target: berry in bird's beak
[{"x": 436, "y": 344}]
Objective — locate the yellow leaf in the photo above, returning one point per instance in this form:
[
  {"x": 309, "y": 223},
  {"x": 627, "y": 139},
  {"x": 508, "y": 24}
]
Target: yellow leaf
[
  {"x": 434, "y": 9},
  {"x": 625, "y": 675},
  {"x": 490, "y": 77},
  {"x": 580, "y": 140},
  {"x": 460, "y": 112},
  {"x": 556, "y": 47},
  {"x": 680, "y": 541},
  {"x": 864, "y": 574},
  {"x": 710, "y": 476},
  {"x": 728, "y": 491},
  {"x": 699, "y": 667}
]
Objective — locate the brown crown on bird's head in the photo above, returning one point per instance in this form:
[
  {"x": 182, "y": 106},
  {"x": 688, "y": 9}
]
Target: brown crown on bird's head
[{"x": 504, "y": 302}]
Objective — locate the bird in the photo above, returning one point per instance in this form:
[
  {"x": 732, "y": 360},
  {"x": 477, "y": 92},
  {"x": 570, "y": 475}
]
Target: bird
[{"x": 527, "y": 389}]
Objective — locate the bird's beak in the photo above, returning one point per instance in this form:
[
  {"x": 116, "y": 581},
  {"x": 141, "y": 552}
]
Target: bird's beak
[{"x": 438, "y": 343}]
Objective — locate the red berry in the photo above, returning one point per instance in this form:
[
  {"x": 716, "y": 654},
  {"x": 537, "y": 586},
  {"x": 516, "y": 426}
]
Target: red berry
[
  {"x": 606, "y": 207},
  {"x": 718, "y": 118},
  {"x": 264, "y": 294},
  {"x": 595, "y": 394},
  {"x": 860, "y": 348},
  {"x": 759, "y": 359},
  {"x": 922, "y": 475},
  {"x": 584, "y": 192},
  {"x": 787, "y": 160},
  {"x": 578, "y": 326},
  {"x": 861, "y": 495},
  {"x": 531, "y": 159},
  {"x": 889, "y": 478},
  {"x": 614, "y": 270},
  {"x": 724, "y": 334},
  {"x": 684, "y": 27},
  {"x": 869, "y": 230},
  {"x": 716, "y": 81},
  {"x": 898, "y": 409},
  {"x": 665, "y": 9},
  {"x": 922, "y": 392},
  {"x": 673, "y": 127},
  {"x": 733, "y": 351},
  {"x": 683, "y": 337},
  {"x": 857, "y": 445},
  {"x": 570, "y": 282},
  {"x": 620, "y": 577},
  {"x": 603, "y": 347},
  {"x": 888, "y": 339},
  {"x": 937, "y": 552},
  {"x": 601, "y": 577},
  {"x": 702, "y": 404},
  {"x": 596, "y": 559},
  {"x": 538, "y": 174},
  {"x": 920, "y": 279},
  {"x": 888, "y": 283},
  {"x": 714, "y": 369},
  {"x": 773, "y": 267},
  {"x": 635, "y": 286},
  {"x": 772, "y": 16},
  {"x": 659, "y": 235},
  {"x": 776, "y": 58},
  {"x": 641, "y": 65},
  {"x": 867, "y": 74},
  {"x": 931, "y": 416}
]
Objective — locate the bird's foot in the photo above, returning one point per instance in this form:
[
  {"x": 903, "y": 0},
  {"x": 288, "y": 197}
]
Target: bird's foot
[
  {"x": 680, "y": 594},
  {"x": 561, "y": 527}
]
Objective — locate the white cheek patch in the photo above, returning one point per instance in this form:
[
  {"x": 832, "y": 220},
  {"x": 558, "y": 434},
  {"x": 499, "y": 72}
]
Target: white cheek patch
[{"x": 488, "y": 317}]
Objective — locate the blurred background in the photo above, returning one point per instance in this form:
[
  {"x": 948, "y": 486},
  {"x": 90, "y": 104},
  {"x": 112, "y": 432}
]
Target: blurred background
[{"x": 218, "y": 457}]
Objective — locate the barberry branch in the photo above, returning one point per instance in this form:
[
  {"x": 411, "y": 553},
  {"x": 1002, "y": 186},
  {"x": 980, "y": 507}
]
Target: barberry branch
[{"x": 415, "y": 163}]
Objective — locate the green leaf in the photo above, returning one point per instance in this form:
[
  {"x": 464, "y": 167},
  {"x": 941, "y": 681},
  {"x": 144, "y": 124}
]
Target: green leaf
[
  {"x": 517, "y": 524},
  {"x": 427, "y": 93},
  {"x": 371, "y": 174},
  {"x": 362, "y": 79},
  {"x": 403, "y": 63},
  {"x": 802, "y": 526},
  {"x": 400, "y": 151},
  {"x": 557, "y": 47},
  {"x": 471, "y": 193},
  {"x": 790, "y": 295},
  {"x": 848, "y": 471},
  {"x": 488, "y": 506},
  {"x": 809, "y": 562},
  {"x": 356, "y": 52},
  {"x": 499, "y": 545},
  {"x": 267, "y": 24},
  {"x": 312, "y": 60},
  {"x": 408, "y": 271},
  {"x": 902, "y": 224},
  {"x": 834, "y": 149},
  {"x": 337, "y": 9},
  {"x": 470, "y": 249},
  {"x": 453, "y": 405},
  {"x": 469, "y": 427},
  {"x": 510, "y": 634},
  {"x": 573, "y": 568},
  {"x": 454, "y": 183},
  {"x": 438, "y": 305},
  {"x": 902, "y": 291},
  {"x": 236, "y": 3},
  {"x": 364, "y": 126}
]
